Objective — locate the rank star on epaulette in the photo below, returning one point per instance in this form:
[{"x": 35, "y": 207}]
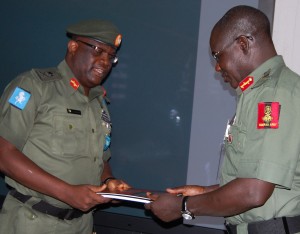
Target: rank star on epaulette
[{"x": 246, "y": 83}]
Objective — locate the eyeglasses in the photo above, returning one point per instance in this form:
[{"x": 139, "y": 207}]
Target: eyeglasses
[
  {"x": 216, "y": 55},
  {"x": 99, "y": 51}
]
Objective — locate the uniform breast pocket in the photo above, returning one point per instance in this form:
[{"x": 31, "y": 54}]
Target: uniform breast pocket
[
  {"x": 238, "y": 138},
  {"x": 70, "y": 135}
]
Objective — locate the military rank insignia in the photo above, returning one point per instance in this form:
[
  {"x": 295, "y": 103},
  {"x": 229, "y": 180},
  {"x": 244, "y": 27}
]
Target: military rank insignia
[
  {"x": 268, "y": 115},
  {"x": 19, "y": 98},
  {"x": 246, "y": 83},
  {"x": 74, "y": 83}
]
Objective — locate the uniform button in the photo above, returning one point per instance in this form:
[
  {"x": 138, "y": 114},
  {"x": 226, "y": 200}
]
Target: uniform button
[
  {"x": 70, "y": 126},
  {"x": 93, "y": 130},
  {"x": 95, "y": 159},
  {"x": 33, "y": 216}
]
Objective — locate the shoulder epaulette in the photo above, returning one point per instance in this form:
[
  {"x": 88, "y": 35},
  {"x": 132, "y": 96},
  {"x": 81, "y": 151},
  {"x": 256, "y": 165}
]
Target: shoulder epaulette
[{"x": 48, "y": 74}]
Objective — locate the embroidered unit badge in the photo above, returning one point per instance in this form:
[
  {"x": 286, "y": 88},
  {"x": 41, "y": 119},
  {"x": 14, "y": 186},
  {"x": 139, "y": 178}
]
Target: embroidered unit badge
[
  {"x": 19, "y": 98},
  {"x": 268, "y": 115}
]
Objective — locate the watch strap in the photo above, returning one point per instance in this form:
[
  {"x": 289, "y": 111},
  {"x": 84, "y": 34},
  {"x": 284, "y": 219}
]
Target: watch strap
[
  {"x": 186, "y": 214},
  {"x": 184, "y": 201}
]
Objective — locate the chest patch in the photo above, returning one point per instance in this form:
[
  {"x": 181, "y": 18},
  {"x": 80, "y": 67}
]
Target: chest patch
[
  {"x": 19, "y": 98},
  {"x": 268, "y": 115}
]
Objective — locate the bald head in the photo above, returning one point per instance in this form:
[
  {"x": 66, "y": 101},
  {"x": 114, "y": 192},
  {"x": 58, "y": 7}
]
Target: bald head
[
  {"x": 244, "y": 20},
  {"x": 240, "y": 42}
]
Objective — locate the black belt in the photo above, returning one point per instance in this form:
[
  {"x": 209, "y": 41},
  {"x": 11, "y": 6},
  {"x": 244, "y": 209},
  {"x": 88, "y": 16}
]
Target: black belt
[
  {"x": 47, "y": 208},
  {"x": 284, "y": 225}
]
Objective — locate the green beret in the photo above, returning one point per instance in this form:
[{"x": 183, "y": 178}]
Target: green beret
[{"x": 99, "y": 30}]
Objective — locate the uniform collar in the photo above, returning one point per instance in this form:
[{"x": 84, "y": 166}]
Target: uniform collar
[
  {"x": 260, "y": 75},
  {"x": 72, "y": 85}
]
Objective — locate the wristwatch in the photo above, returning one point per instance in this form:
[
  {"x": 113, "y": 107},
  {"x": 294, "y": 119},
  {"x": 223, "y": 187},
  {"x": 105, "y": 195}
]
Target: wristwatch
[{"x": 186, "y": 214}]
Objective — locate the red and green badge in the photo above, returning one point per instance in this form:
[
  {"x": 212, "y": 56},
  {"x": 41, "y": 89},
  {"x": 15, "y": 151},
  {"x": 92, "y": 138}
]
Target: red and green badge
[{"x": 268, "y": 115}]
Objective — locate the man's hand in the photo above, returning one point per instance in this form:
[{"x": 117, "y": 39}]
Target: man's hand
[
  {"x": 116, "y": 185},
  {"x": 84, "y": 197},
  {"x": 166, "y": 207},
  {"x": 187, "y": 190}
]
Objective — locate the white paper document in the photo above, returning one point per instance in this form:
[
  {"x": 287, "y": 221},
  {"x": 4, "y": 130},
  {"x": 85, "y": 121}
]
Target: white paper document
[
  {"x": 125, "y": 197},
  {"x": 131, "y": 194}
]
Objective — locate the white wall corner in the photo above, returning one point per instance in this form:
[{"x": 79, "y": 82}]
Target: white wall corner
[{"x": 286, "y": 32}]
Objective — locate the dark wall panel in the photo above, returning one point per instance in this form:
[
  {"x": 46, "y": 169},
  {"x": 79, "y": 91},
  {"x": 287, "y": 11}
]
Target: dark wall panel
[{"x": 151, "y": 89}]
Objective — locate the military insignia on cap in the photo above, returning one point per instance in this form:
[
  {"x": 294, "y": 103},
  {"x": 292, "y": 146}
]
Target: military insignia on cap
[
  {"x": 246, "y": 83},
  {"x": 118, "y": 40},
  {"x": 268, "y": 115},
  {"x": 19, "y": 98},
  {"x": 100, "y": 30},
  {"x": 74, "y": 83}
]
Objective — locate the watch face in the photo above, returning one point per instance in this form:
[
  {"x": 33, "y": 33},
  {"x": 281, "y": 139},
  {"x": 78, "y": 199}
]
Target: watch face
[{"x": 187, "y": 216}]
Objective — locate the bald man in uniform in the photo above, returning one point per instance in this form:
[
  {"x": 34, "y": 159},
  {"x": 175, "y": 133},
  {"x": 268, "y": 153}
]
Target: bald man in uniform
[{"x": 259, "y": 190}]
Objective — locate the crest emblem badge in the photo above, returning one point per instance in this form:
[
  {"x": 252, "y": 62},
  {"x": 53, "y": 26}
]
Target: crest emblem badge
[{"x": 268, "y": 115}]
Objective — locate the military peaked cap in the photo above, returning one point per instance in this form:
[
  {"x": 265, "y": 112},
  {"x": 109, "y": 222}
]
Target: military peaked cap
[{"x": 99, "y": 30}]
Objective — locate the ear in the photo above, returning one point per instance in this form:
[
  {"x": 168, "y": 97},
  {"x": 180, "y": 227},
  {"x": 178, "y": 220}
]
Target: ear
[
  {"x": 244, "y": 43},
  {"x": 72, "y": 46}
]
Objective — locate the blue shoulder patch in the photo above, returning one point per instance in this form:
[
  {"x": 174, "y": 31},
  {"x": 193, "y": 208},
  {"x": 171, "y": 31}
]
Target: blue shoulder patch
[{"x": 19, "y": 98}]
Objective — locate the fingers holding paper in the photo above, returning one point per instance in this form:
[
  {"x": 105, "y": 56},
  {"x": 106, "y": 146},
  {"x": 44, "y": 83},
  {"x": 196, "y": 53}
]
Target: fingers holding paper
[{"x": 117, "y": 185}]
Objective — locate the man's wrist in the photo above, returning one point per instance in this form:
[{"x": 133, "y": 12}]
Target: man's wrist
[{"x": 186, "y": 214}]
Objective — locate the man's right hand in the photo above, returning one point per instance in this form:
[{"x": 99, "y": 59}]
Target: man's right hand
[{"x": 85, "y": 197}]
